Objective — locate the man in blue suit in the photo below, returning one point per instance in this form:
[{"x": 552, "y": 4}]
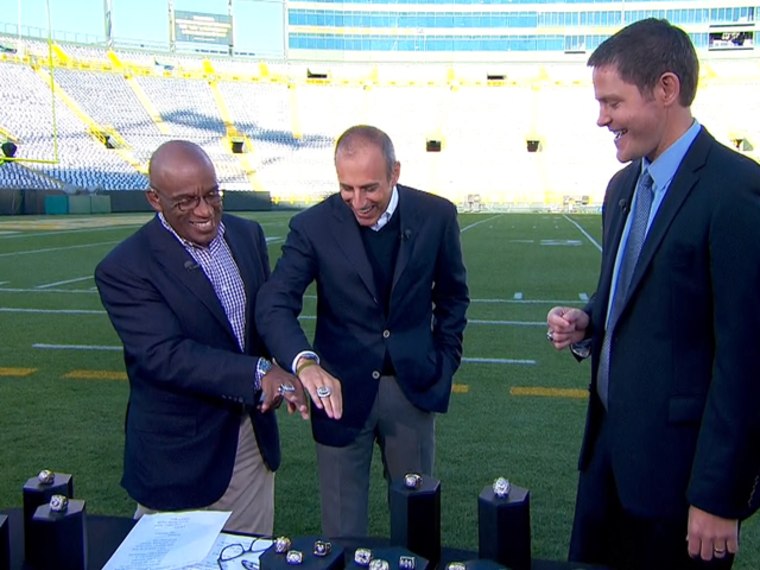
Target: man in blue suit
[
  {"x": 180, "y": 292},
  {"x": 391, "y": 301},
  {"x": 671, "y": 454}
]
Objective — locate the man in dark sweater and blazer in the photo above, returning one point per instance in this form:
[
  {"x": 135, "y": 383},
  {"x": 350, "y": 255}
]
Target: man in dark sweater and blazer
[{"x": 392, "y": 296}]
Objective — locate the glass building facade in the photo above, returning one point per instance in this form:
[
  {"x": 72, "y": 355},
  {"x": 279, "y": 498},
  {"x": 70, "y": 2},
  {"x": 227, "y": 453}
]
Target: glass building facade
[{"x": 321, "y": 28}]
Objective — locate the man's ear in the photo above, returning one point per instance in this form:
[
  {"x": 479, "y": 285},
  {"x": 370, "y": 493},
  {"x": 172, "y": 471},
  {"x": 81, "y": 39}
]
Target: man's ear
[
  {"x": 153, "y": 200},
  {"x": 669, "y": 88},
  {"x": 395, "y": 173}
]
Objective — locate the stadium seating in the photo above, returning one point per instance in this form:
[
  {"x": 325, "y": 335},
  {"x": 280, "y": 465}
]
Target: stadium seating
[{"x": 513, "y": 135}]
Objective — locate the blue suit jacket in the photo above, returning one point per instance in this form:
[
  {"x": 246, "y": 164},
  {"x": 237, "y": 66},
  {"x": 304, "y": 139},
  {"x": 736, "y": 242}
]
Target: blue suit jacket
[
  {"x": 422, "y": 332},
  {"x": 189, "y": 381},
  {"x": 685, "y": 377}
]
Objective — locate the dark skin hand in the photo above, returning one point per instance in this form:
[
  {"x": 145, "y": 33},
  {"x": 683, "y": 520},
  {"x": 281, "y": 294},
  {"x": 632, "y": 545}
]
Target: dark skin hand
[{"x": 272, "y": 396}]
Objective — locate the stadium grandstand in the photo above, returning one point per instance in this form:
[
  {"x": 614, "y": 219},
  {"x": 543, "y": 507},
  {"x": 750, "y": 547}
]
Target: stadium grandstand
[{"x": 489, "y": 103}]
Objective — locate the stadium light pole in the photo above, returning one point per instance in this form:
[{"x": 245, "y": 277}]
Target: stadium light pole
[
  {"x": 172, "y": 37},
  {"x": 232, "y": 30},
  {"x": 107, "y": 23}
]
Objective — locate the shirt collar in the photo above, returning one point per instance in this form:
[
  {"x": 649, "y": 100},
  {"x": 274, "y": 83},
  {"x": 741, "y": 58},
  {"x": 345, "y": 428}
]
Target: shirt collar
[
  {"x": 386, "y": 216},
  {"x": 664, "y": 168},
  {"x": 187, "y": 243}
]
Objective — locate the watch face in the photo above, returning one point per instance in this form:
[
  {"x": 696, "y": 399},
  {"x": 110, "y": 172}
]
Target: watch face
[{"x": 264, "y": 366}]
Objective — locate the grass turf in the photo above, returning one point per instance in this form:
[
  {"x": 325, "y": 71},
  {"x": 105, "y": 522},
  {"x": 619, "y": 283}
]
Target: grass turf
[{"x": 63, "y": 408}]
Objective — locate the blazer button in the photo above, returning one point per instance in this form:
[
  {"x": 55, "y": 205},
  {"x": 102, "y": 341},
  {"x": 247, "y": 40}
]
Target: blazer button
[
  {"x": 375, "y": 375},
  {"x": 386, "y": 333}
]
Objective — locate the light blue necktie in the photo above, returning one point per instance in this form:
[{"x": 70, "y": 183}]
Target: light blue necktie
[{"x": 636, "y": 235}]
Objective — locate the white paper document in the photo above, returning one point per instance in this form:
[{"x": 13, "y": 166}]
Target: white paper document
[{"x": 169, "y": 541}]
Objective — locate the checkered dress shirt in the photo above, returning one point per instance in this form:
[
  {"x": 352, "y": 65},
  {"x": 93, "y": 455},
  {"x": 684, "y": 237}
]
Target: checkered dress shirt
[{"x": 219, "y": 266}]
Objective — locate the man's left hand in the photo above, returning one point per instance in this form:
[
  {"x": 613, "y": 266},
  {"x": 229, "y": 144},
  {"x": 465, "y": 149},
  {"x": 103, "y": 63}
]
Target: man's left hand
[{"x": 711, "y": 536}]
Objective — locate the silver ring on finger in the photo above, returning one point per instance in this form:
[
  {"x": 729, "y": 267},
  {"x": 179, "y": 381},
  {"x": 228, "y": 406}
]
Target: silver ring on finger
[
  {"x": 550, "y": 336},
  {"x": 324, "y": 392}
]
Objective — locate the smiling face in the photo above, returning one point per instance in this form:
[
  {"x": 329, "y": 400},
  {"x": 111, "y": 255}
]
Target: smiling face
[
  {"x": 180, "y": 172},
  {"x": 639, "y": 121},
  {"x": 365, "y": 185}
]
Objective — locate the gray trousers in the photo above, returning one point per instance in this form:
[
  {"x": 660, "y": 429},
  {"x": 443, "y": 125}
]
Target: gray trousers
[{"x": 406, "y": 437}]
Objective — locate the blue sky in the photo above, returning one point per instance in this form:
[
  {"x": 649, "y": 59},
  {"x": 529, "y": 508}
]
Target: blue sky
[{"x": 258, "y": 23}]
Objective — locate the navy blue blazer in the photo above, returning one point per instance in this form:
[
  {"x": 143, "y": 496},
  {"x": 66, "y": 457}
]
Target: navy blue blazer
[
  {"x": 684, "y": 386},
  {"x": 189, "y": 381},
  {"x": 422, "y": 332}
]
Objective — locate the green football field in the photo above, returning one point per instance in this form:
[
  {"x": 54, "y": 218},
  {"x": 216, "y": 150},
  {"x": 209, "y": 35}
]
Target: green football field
[{"x": 517, "y": 409}]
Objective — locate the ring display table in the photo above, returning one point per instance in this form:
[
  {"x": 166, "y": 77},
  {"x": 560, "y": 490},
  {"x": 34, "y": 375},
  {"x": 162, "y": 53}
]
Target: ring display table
[{"x": 105, "y": 534}]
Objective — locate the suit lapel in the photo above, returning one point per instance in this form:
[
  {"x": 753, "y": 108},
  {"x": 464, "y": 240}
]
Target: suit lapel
[
  {"x": 617, "y": 216},
  {"x": 683, "y": 183},
  {"x": 409, "y": 227},
  {"x": 345, "y": 230},
  {"x": 172, "y": 256}
]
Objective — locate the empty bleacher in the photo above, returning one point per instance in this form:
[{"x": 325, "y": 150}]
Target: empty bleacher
[{"x": 514, "y": 135}]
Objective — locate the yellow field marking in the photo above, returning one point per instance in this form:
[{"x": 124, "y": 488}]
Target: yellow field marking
[
  {"x": 96, "y": 375},
  {"x": 460, "y": 388},
  {"x": 550, "y": 392},
  {"x": 17, "y": 371}
]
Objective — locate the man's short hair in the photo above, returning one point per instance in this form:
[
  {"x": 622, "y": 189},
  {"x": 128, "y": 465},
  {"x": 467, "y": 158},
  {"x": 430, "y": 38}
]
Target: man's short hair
[
  {"x": 360, "y": 135},
  {"x": 646, "y": 49}
]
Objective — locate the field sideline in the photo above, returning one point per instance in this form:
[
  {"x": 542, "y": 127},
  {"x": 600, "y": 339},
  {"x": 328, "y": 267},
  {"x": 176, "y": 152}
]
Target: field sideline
[{"x": 517, "y": 410}]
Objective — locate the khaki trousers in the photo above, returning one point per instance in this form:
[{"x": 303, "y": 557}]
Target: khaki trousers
[{"x": 250, "y": 494}]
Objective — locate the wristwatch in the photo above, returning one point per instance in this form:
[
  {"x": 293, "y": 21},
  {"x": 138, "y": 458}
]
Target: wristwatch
[{"x": 262, "y": 367}]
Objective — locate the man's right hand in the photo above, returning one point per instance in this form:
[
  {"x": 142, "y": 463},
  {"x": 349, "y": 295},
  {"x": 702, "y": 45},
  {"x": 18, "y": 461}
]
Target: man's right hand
[
  {"x": 567, "y": 325},
  {"x": 316, "y": 380},
  {"x": 273, "y": 395}
]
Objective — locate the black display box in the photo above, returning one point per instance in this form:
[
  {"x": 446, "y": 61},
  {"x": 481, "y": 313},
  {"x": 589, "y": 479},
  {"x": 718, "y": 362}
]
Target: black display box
[
  {"x": 5, "y": 543},
  {"x": 416, "y": 517},
  {"x": 504, "y": 527},
  {"x": 37, "y": 493},
  {"x": 59, "y": 539},
  {"x": 271, "y": 560}
]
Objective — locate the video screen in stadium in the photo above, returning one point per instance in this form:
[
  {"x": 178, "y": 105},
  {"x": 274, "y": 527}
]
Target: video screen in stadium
[{"x": 200, "y": 27}]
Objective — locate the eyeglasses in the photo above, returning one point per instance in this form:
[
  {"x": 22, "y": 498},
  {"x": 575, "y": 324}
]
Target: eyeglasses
[
  {"x": 187, "y": 203},
  {"x": 239, "y": 557}
]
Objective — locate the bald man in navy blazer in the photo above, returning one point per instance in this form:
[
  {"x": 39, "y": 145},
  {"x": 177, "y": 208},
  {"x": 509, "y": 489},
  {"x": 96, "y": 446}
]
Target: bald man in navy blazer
[
  {"x": 180, "y": 292},
  {"x": 391, "y": 301},
  {"x": 670, "y": 461}
]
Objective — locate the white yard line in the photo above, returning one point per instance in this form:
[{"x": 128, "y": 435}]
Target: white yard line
[
  {"x": 475, "y": 360},
  {"x": 75, "y": 280},
  {"x": 75, "y": 347},
  {"x": 49, "y": 249},
  {"x": 584, "y": 232},
  {"x": 53, "y": 311},
  {"x": 507, "y": 323},
  {"x": 464, "y": 229}
]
